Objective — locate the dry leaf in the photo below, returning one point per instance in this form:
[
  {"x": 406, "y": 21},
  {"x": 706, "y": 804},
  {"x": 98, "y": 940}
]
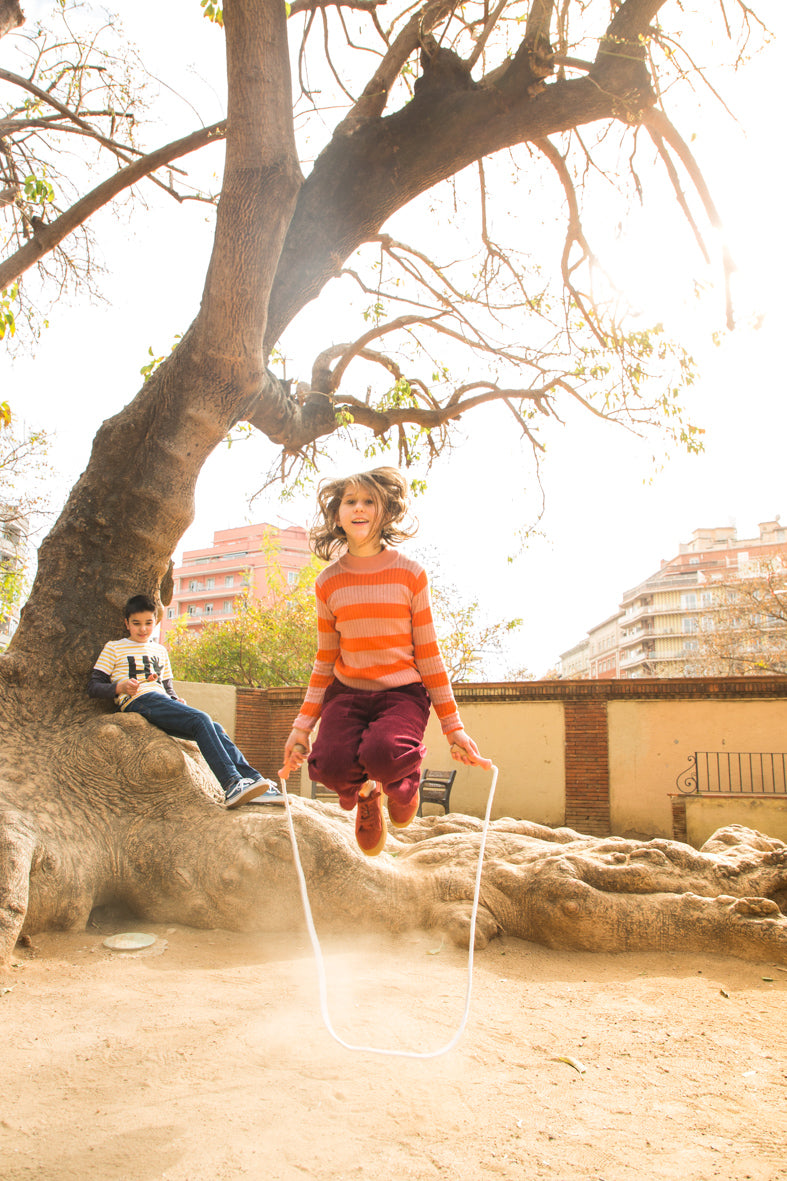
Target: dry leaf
[{"x": 578, "y": 1066}]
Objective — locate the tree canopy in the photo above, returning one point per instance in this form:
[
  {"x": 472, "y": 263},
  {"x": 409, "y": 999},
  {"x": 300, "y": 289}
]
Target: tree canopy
[{"x": 514, "y": 136}]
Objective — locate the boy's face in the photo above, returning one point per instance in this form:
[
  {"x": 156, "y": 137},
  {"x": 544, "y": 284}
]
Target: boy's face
[{"x": 140, "y": 626}]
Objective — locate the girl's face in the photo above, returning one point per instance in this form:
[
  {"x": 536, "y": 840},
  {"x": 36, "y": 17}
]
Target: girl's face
[{"x": 359, "y": 517}]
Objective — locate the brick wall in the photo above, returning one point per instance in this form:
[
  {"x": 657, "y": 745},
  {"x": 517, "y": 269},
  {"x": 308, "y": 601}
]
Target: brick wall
[
  {"x": 679, "y": 827},
  {"x": 587, "y": 766},
  {"x": 263, "y": 719}
]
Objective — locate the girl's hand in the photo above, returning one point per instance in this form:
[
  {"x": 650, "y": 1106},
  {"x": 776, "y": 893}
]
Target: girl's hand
[
  {"x": 464, "y": 750},
  {"x": 296, "y": 749}
]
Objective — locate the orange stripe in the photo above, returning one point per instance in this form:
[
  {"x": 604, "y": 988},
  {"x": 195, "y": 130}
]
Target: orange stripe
[
  {"x": 374, "y": 610},
  {"x": 372, "y": 672},
  {"x": 325, "y": 655},
  {"x": 425, "y": 651},
  {"x": 341, "y": 580},
  {"x": 373, "y": 643}
]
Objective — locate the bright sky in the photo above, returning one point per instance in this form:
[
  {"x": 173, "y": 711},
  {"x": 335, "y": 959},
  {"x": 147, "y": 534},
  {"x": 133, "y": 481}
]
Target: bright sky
[{"x": 610, "y": 515}]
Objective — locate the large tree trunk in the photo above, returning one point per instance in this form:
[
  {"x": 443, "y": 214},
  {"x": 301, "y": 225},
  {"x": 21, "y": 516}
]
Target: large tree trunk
[{"x": 97, "y": 809}]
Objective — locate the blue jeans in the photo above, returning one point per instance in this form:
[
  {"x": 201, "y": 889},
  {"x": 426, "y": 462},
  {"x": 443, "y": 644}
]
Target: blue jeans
[{"x": 183, "y": 721}]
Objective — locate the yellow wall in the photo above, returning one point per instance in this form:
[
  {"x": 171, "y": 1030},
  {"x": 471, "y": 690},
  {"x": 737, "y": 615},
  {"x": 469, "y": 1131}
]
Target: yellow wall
[
  {"x": 705, "y": 814},
  {"x": 526, "y": 742},
  {"x": 216, "y": 700},
  {"x": 650, "y": 743}
]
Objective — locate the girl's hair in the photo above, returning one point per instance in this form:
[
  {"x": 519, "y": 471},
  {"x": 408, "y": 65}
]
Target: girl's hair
[{"x": 388, "y": 488}]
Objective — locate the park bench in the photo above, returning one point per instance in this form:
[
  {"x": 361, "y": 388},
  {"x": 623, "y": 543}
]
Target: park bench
[
  {"x": 728, "y": 772},
  {"x": 435, "y": 788}
]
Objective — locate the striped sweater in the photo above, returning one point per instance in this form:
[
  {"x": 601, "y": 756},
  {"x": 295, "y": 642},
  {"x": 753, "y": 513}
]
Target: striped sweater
[{"x": 375, "y": 632}]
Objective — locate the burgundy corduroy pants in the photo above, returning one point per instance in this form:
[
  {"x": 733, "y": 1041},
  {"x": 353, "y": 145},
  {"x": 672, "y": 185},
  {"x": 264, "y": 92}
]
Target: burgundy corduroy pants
[{"x": 370, "y": 735}]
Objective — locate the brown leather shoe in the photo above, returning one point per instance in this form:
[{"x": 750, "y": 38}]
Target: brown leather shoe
[{"x": 370, "y": 827}]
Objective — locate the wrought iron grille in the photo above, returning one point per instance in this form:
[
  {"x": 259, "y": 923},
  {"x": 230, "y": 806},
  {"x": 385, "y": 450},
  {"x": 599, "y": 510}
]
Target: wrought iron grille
[{"x": 735, "y": 773}]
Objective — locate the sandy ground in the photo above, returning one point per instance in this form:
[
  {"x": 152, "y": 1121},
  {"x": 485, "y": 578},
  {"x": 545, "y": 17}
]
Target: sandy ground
[{"x": 206, "y": 1057}]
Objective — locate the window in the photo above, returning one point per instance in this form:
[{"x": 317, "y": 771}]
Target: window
[
  {"x": 228, "y": 604},
  {"x": 229, "y": 579},
  {"x": 170, "y": 612},
  {"x": 292, "y": 577},
  {"x": 193, "y": 584},
  {"x": 688, "y": 601},
  {"x": 209, "y": 583},
  {"x": 690, "y": 624},
  {"x": 690, "y": 645},
  {"x": 208, "y": 608}
]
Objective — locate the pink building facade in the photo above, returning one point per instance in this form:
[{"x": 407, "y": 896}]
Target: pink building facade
[{"x": 210, "y": 581}]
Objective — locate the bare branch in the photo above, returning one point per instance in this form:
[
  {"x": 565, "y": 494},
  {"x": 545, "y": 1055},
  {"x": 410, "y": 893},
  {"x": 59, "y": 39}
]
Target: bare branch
[
  {"x": 375, "y": 94},
  {"x": 47, "y": 236},
  {"x": 661, "y": 130}
]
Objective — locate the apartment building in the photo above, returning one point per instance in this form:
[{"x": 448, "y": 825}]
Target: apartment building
[
  {"x": 209, "y": 581},
  {"x": 656, "y": 631}
]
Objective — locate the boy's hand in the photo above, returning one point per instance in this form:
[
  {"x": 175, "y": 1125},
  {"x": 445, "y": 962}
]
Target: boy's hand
[
  {"x": 128, "y": 687},
  {"x": 464, "y": 750}
]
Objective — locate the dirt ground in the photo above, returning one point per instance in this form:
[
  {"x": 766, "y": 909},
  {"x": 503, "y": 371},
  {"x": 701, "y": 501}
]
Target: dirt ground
[{"x": 205, "y": 1057}]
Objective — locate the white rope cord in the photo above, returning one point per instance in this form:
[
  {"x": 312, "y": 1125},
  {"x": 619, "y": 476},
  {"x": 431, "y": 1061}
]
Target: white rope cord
[{"x": 320, "y": 961}]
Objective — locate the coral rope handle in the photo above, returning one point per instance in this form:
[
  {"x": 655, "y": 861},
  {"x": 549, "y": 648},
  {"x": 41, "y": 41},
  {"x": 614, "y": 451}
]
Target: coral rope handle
[{"x": 320, "y": 961}]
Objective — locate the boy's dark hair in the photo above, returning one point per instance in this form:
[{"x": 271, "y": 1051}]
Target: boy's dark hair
[{"x": 138, "y": 603}]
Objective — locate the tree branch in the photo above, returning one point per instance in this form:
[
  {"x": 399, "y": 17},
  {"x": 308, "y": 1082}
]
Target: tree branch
[
  {"x": 375, "y": 94},
  {"x": 661, "y": 129},
  {"x": 48, "y": 235}
]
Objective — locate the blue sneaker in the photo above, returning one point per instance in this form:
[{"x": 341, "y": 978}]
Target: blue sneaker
[
  {"x": 242, "y": 791},
  {"x": 271, "y": 796}
]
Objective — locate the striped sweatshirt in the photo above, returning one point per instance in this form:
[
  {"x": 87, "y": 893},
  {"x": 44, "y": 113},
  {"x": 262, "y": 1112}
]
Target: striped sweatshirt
[{"x": 376, "y": 632}]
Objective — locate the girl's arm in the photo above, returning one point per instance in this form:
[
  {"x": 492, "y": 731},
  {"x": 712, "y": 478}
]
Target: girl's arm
[{"x": 429, "y": 660}]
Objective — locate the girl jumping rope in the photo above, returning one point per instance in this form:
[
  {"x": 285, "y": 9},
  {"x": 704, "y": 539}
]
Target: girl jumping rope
[{"x": 378, "y": 664}]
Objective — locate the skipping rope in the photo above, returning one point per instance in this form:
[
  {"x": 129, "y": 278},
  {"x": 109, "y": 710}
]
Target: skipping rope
[{"x": 320, "y": 961}]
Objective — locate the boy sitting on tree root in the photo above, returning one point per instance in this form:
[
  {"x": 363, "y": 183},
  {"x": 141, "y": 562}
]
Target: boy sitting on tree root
[{"x": 136, "y": 674}]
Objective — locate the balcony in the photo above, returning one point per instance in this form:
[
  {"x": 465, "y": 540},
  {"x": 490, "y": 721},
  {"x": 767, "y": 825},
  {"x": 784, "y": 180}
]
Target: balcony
[
  {"x": 201, "y": 593},
  {"x": 634, "y": 636}
]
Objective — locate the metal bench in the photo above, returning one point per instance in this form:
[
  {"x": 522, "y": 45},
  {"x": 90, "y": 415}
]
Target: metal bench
[
  {"x": 435, "y": 788},
  {"x": 734, "y": 772}
]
